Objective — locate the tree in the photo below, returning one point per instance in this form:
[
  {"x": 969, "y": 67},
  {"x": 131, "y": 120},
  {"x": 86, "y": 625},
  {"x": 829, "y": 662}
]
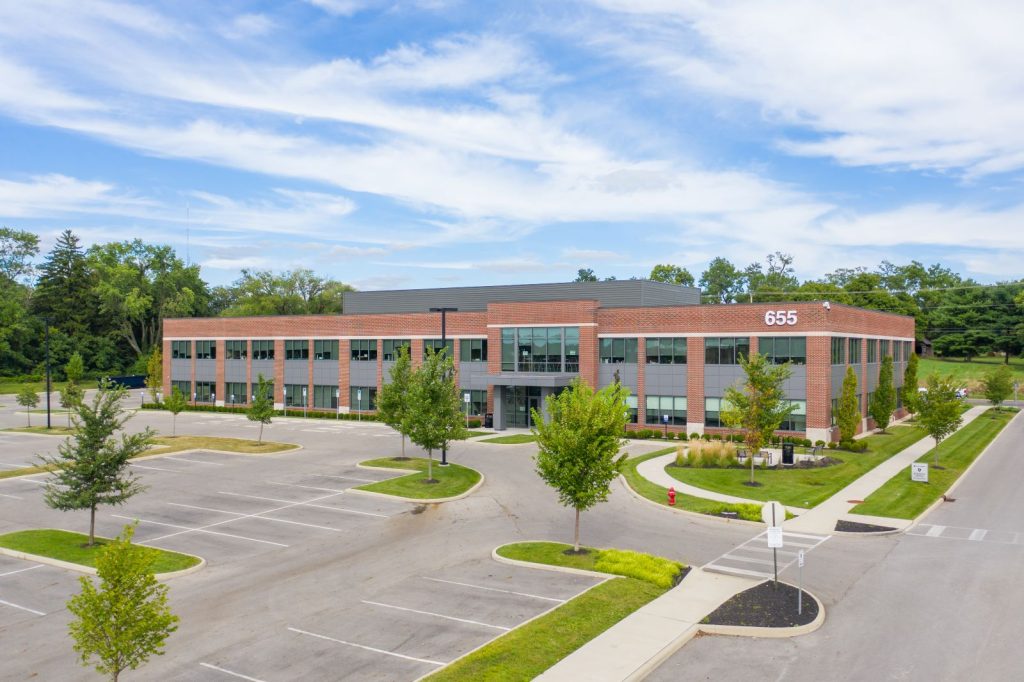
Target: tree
[
  {"x": 28, "y": 399},
  {"x": 760, "y": 406},
  {"x": 849, "y": 407},
  {"x": 70, "y": 397},
  {"x": 910, "y": 392},
  {"x": 998, "y": 385},
  {"x": 578, "y": 443},
  {"x": 585, "y": 275},
  {"x": 155, "y": 372},
  {"x": 671, "y": 274},
  {"x": 64, "y": 290},
  {"x": 433, "y": 417},
  {"x": 721, "y": 282},
  {"x": 91, "y": 467},
  {"x": 393, "y": 398},
  {"x": 939, "y": 409},
  {"x": 262, "y": 408},
  {"x": 293, "y": 292},
  {"x": 17, "y": 249},
  {"x": 126, "y": 619},
  {"x": 883, "y": 400},
  {"x": 74, "y": 370},
  {"x": 773, "y": 283},
  {"x": 175, "y": 403}
]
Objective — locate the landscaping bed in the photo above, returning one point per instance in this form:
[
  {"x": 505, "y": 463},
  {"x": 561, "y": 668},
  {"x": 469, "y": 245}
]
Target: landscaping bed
[
  {"x": 514, "y": 439},
  {"x": 67, "y": 546},
  {"x": 653, "y": 569},
  {"x": 452, "y": 480},
  {"x": 168, "y": 444},
  {"x": 765, "y": 606}
]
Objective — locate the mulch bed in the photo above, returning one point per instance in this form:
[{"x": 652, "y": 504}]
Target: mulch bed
[
  {"x": 855, "y": 527},
  {"x": 766, "y": 607}
]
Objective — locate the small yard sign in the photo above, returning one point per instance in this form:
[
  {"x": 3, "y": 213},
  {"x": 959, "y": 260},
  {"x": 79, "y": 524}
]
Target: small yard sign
[
  {"x": 919, "y": 472},
  {"x": 774, "y": 537}
]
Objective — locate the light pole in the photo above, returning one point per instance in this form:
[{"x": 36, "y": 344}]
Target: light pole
[
  {"x": 444, "y": 348},
  {"x": 46, "y": 321}
]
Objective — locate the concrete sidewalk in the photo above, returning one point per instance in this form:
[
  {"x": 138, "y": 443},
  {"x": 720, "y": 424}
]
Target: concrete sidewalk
[{"x": 634, "y": 646}]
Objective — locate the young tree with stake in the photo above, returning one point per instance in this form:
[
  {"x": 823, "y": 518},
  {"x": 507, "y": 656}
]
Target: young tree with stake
[
  {"x": 155, "y": 372},
  {"x": 91, "y": 467},
  {"x": 939, "y": 409},
  {"x": 393, "y": 397},
  {"x": 262, "y": 408},
  {"x": 578, "y": 443},
  {"x": 883, "y": 400},
  {"x": 998, "y": 385},
  {"x": 434, "y": 415},
  {"x": 909, "y": 388},
  {"x": 175, "y": 403},
  {"x": 74, "y": 370},
  {"x": 70, "y": 397},
  {"x": 849, "y": 407},
  {"x": 28, "y": 399}
]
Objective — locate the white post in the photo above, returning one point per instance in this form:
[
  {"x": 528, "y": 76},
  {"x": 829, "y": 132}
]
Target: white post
[{"x": 305, "y": 403}]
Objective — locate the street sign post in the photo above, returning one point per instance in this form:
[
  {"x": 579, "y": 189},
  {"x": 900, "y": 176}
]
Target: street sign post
[
  {"x": 773, "y": 513},
  {"x": 465, "y": 400},
  {"x": 919, "y": 472},
  {"x": 664, "y": 420},
  {"x": 359, "y": 404},
  {"x": 800, "y": 584}
]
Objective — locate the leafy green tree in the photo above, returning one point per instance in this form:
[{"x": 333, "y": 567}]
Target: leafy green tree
[
  {"x": 261, "y": 409},
  {"x": 773, "y": 283},
  {"x": 998, "y": 385},
  {"x": 671, "y": 274},
  {"x": 909, "y": 388},
  {"x": 760, "y": 406},
  {"x": 883, "y": 400},
  {"x": 849, "y": 407},
  {"x": 71, "y": 397},
  {"x": 578, "y": 443},
  {"x": 722, "y": 282},
  {"x": 433, "y": 417},
  {"x": 28, "y": 399},
  {"x": 155, "y": 372},
  {"x": 939, "y": 409},
  {"x": 17, "y": 249},
  {"x": 91, "y": 467},
  {"x": 393, "y": 398},
  {"x": 74, "y": 370},
  {"x": 293, "y": 292},
  {"x": 126, "y": 619},
  {"x": 175, "y": 403},
  {"x": 585, "y": 275}
]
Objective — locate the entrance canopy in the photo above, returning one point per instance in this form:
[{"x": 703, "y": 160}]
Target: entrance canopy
[{"x": 554, "y": 380}]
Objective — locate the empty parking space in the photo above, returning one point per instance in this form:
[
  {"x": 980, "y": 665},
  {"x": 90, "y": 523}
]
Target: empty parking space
[{"x": 29, "y": 590}]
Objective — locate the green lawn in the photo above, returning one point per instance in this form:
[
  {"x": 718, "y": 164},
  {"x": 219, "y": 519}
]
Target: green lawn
[
  {"x": 514, "y": 439},
  {"x": 969, "y": 373},
  {"x": 53, "y": 431},
  {"x": 902, "y": 498},
  {"x": 37, "y": 386},
  {"x": 471, "y": 434},
  {"x": 655, "y": 493},
  {"x": 67, "y": 546},
  {"x": 168, "y": 444},
  {"x": 803, "y": 487},
  {"x": 529, "y": 650},
  {"x": 653, "y": 569},
  {"x": 453, "y": 479}
]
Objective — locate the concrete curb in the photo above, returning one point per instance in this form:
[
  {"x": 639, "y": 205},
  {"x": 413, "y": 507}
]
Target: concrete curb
[
  {"x": 71, "y": 566},
  {"x": 684, "y": 511},
  {"x": 419, "y": 500},
  {"x": 547, "y": 567},
  {"x": 763, "y": 632}
]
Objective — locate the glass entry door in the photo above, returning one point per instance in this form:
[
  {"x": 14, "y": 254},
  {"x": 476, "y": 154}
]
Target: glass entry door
[{"x": 519, "y": 401}]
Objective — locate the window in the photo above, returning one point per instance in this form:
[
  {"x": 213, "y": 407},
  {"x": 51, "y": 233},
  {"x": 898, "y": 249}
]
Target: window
[
  {"x": 181, "y": 350},
  {"x": 659, "y": 406},
  {"x": 854, "y": 351},
  {"x": 508, "y": 350},
  {"x": 363, "y": 398},
  {"x": 834, "y": 413},
  {"x": 631, "y": 404},
  {"x": 782, "y": 349},
  {"x": 325, "y": 397},
  {"x": 473, "y": 350},
  {"x": 713, "y": 411},
  {"x": 295, "y": 395},
  {"x": 270, "y": 390},
  {"x": 205, "y": 392},
  {"x": 897, "y": 349},
  {"x": 325, "y": 349},
  {"x": 296, "y": 350},
  {"x": 725, "y": 350},
  {"x": 872, "y": 350},
  {"x": 908, "y": 349},
  {"x": 392, "y": 347},
  {"x": 540, "y": 349},
  {"x": 184, "y": 386},
  {"x": 206, "y": 350},
  {"x": 236, "y": 350},
  {"x": 666, "y": 351},
  {"x": 364, "y": 350},
  {"x": 262, "y": 350},
  {"x": 797, "y": 419},
  {"x": 571, "y": 346},
  {"x": 838, "y": 350},
  {"x": 617, "y": 351},
  {"x": 234, "y": 393},
  {"x": 883, "y": 347},
  {"x": 477, "y": 402},
  {"x": 435, "y": 344}
]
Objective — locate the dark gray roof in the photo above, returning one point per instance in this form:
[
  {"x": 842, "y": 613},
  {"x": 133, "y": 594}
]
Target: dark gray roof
[{"x": 627, "y": 293}]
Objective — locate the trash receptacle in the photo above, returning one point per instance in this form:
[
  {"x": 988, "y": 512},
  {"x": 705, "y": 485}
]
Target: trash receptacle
[
  {"x": 489, "y": 420},
  {"x": 787, "y": 454}
]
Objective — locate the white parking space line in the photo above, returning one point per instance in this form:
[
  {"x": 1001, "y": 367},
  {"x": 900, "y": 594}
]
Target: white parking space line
[
  {"x": 230, "y": 672},
  {"x": 437, "y": 615},
  {"x": 253, "y": 516},
  {"x": 493, "y": 589},
  {"x": 978, "y": 534},
  {"x": 186, "y": 529},
  {"x": 348, "y": 478},
  {"x": 935, "y": 531},
  {"x": 21, "y": 570},
  {"x": 305, "y": 504},
  {"x": 23, "y": 608},
  {"x": 194, "y": 461},
  {"x": 367, "y": 648},
  {"x": 140, "y": 466},
  {"x": 307, "y": 487},
  {"x": 13, "y": 497}
]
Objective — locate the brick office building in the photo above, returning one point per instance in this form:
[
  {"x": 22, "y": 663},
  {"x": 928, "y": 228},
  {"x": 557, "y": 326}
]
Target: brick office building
[{"x": 514, "y": 345}]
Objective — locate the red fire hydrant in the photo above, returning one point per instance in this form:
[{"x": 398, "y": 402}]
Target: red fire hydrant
[{"x": 672, "y": 497}]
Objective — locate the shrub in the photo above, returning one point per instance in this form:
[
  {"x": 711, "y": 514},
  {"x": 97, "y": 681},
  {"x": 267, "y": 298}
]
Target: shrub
[
  {"x": 694, "y": 436},
  {"x": 474, "y": 423},
  {"x": 832, "y": 445},
  {"x": 818, "y": 442},
  {"x": 656, "y": 570}
]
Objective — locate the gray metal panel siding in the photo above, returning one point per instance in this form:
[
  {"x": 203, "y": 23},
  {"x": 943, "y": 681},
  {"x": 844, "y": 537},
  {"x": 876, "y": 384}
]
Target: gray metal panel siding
[
  {"x": 665, "y": 379},
  {"x": 898, "y": 368},
  {"x": 838, "y": 372},
  {"x": 206, "y": 370},
  {"x": 718, "y": 377},
  {"x": 627, "y": 374},
  {"x": 296, "y": 372},
  {"x": 362, "y": 373},
  {"x": 234, "y": 371},
  {"x": 181, "y": 369},
  {"x": 795, "y": 387},
  {"x": 325, "y": 372},
  {"x": 614, "y": 294},
  {"x": 473, "y": 375},
  {"x": 264, "y": 367},
  {"x": 873, "y": 376},
  {"x": 386, "y": 367}
]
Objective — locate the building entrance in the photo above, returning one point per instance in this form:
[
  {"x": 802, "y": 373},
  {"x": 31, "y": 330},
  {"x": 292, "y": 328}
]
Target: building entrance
[{"x": 519, "y": 402}]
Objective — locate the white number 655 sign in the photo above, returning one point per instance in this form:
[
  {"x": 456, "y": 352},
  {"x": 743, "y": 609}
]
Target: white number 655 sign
[{"x": 780, "y": 317}]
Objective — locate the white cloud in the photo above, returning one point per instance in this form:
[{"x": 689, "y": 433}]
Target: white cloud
[
  {"x": 234, "y": 264},
  {"x": 341, "y": 7},
  {"x": 246, "y": 26},
  {"x": 45, "y": 195}
]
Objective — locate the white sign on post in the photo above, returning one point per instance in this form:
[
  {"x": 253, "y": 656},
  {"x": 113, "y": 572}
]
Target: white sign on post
[
  {"x": 800, "y": 559},
  {"x": 775, "y": 537},
  {"x": 919, "y": 472},
  {"x": 465, "y": 397}
]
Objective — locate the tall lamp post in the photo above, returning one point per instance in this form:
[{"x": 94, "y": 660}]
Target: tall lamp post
[
  {"x": 46, "y": 321},
  {"x": 444, "y": 347}
]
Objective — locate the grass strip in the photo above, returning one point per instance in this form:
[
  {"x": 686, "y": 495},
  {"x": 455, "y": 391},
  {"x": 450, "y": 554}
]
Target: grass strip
[
  {"x": 67, "y": 546},
  {"x": 514, "y": 439},
  {"x": 654, "y": 569},
  {"x": 796, "y": 487},
  {"x": 168, "y": 444},
  {"x": 9, "y": 387},
  {"x": 902, "y": 498},
  {"x": 42, "y": 430},
  {"x": 700, "y": 505},
  {"x": 452, "y": 480}
]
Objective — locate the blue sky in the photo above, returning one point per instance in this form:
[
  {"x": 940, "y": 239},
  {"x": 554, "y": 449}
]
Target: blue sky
[{"x": 403, "y": 143}]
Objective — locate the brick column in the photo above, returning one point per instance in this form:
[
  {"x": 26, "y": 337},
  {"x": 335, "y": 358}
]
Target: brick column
[
  {"x": 344, "y": 358},
  {"x": 165, "y": 386},
  {"x": 309, "y": 383},
  {"x": 864, "y": 384},
  {"x": 247, "y": 398},
  {"x": 695, "y": 385},
  {"x": 218, "y": 385},
  {"x": 589, "y": 347},
  {"x": 192, "y": 375},
  {"x": 819, "y": 387},
  {"x": 641, "y": 381},
  {"x": 279, "y": 372}
]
